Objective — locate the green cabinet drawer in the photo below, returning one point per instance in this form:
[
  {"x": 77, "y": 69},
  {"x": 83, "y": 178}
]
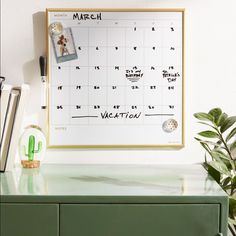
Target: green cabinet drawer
[
  {"x": 29, "y": 219},
  {"x": 139, "y": 219}
]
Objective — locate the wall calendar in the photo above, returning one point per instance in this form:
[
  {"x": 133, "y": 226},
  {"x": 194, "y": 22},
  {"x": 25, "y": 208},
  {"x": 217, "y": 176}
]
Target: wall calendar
[{"x": 116, "y": 78}]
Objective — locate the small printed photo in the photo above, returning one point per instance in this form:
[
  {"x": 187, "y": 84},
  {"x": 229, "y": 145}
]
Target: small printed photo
[{"x": 63, "y": 45}]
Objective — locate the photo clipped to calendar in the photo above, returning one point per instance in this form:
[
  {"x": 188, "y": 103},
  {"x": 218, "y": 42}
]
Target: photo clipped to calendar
[{"x": 63, "y": 42}]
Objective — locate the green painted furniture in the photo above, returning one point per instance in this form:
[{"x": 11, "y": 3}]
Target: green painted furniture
[{"x": 115, "y": 200}]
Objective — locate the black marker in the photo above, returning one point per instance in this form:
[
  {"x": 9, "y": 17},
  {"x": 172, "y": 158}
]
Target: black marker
[{"x": 43, "y": 73}]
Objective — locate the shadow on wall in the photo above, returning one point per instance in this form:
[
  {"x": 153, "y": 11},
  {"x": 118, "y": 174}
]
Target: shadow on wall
[
  {"x": 31, "y": 70},
  {"x": 39, "y": 29}
]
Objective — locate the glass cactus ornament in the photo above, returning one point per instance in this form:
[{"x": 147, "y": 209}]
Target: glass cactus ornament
[
  {"x": 31, "y": 148},
  {"x": 32, "y": 145}
]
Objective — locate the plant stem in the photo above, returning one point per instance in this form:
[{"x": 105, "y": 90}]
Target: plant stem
[
  {"x": 226, "y": 146},
  {"x": 231, "y": 230}
]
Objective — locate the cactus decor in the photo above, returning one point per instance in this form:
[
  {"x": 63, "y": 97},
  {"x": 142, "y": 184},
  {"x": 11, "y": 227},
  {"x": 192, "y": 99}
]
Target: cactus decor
[{"x": 31, "y": 148}]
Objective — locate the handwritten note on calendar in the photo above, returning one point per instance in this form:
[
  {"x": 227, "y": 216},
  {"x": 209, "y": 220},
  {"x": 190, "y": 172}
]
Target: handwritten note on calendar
[{"x": 115, "y": 78}]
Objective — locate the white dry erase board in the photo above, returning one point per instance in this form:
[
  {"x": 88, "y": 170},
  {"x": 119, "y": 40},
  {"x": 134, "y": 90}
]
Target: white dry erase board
[{"x": 115, "y": 78}]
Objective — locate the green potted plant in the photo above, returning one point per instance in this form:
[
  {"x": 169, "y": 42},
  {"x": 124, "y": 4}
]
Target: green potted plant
[{"x": 219, "y": 142}]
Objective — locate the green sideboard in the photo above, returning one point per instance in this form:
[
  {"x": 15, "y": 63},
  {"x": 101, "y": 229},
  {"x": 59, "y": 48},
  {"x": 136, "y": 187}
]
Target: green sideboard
[{"x": 112, "y": 200}]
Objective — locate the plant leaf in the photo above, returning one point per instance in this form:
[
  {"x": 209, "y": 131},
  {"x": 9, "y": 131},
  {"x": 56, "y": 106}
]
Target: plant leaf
[
  {"x": 234, "y": 181},
  {"x": 221, "y": 157},
  {"x": 232, "y": 206},
  {"x": 216, "y": 112},
  {"x": 203, "y": 116},
  {"x": 228, "y": 187},
  {"x": 210, "y": 143},
  {"x": 231, "y": 134},
  {"x": 205, "y": 157},
  {"x": 220, "y": 166},
  {"x": 206, "y": 147},
  {"x": 204, "y": 123},
  {"x": 232, "y": 221},
  {"x": 222, "y": 119},
  {"x": 219, "y": 142},
  {"x": 226, "y": 181},
  {"x": 215, "y": 174},
  {"x": 209, "y": 134},
  {"x": 228, "y": 123},
  {"x": 221, "y": 154},
  {"x": 232, "y": 146}
]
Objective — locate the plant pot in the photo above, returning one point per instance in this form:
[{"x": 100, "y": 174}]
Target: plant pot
[{"x": 30, "y": 164}]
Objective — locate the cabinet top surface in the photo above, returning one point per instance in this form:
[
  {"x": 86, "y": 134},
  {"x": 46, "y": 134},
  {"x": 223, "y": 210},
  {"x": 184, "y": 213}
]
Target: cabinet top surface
[{"x": 109, "y": 181}]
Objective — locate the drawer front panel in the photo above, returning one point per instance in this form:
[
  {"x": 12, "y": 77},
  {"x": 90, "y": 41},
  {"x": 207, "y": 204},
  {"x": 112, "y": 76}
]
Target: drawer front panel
[
  {"x": 139, "y": 219},
  {"x": 29, "y": 219}
]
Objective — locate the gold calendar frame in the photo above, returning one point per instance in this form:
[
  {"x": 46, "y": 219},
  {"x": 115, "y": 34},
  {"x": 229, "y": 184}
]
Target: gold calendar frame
[{"x": 120, "y": 146}]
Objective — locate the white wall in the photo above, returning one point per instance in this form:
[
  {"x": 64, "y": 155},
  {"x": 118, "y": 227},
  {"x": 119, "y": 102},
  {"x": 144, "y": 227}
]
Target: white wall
[{"x": 210, "y": 67}]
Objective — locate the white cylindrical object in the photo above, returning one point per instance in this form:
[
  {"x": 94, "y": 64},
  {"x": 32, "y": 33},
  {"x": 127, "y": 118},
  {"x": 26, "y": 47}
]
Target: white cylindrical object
[{"x": 43, "y": 94}]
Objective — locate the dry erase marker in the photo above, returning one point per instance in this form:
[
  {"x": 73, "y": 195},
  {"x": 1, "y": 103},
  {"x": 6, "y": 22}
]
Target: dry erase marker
[{"x": 43, "y": 73}]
